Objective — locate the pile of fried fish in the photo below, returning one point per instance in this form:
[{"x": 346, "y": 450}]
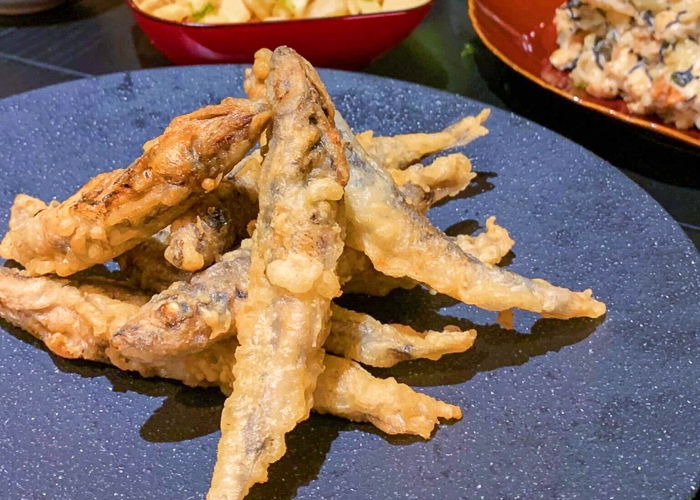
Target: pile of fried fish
[{"x": 231, "y": 257}]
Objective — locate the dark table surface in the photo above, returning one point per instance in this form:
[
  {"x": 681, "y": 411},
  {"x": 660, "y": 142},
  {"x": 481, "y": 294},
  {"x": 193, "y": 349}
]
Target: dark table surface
[{"x": 93, "y": 37}]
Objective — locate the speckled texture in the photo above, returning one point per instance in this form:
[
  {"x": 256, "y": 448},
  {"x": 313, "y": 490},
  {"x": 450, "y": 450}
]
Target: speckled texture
[{"x": 578, "y": 409}]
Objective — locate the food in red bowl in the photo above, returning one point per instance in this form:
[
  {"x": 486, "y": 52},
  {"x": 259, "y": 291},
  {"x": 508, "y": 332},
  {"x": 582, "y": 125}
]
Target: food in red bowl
[{"x": 346, "y": 42}]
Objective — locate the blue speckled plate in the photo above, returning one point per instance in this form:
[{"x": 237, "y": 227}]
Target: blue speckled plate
[{"x": 576, "y": 409}]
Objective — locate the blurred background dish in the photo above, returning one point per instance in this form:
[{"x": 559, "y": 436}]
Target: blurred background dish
[
  {"x": 346, "y": 42},
  {"x": 524, "y": 38},
  {"x": 17, "y": 7}
]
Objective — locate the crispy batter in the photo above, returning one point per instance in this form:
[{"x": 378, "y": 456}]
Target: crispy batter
[
  {"x": 256, "y": 323},
  {"x": 362, "y": 338},
  {"x": 188, "y": 316},
  {"x": 297, "y": 242},
  {"x": 211, "y": 228},
  {"x": 423, "y": 186},
  {"x": 448, "y": 177},
  {"x": 401, "y": 410},
  {"x": 24, "y": 207},
  {"x": 147, "y": 268},
  {"x": 255, "y": 76},
  {"x": 401, "y": 151},
  {"x": 205, "y": 233},
  {"x": 401, "y": 242},
  {"x": 75, "y": 320},
  {"x": 213, "y": 225},
  {"x": 392, "y": 152},
  {"x": 143, "y": 265},
  {"x": 116, "y": 210},
  {"x": 489, "y": 246},
  {"x": 217, "y": 221}
]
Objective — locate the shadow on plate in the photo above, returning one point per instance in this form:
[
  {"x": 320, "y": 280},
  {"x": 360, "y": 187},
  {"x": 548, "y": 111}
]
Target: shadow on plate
[
  {"x": 189, "y": 413},
  {"x": 479, "y": 184},
  {"x": 495, "y": 347},
  {"x": 307, "y": 446}
]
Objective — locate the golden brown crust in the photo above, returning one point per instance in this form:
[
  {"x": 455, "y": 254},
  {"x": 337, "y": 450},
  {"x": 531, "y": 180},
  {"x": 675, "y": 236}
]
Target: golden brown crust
[
  {"x": 146, "y": 267},
  {"x": 188, "y": 316},
  {"x": 74, "y": 319},
  {"x": 362, "y": 338},
  {"x": 217, "y": 221},
  {"x": 116, "y": 210},
  {"x": 24, "y": 207},
  {"x": 297, "y": 242},
  {"x": 402, "y": 151},
  {"x": 489, "y": 246},
  {"x": 396, "y": 408},
  {"x": 400, "y": 242},
  {"x": 423, "y": 186}
]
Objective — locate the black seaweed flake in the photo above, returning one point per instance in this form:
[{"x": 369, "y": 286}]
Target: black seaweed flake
[
  {"x": 648, "y": 17},
  {"x": 639, "y": 65},
  {"x": 676, "y": 20},
  {"x": 683, "y": 78},
  {"x": 602, "y": 49},
  {"x": 664, "y": 46},
  {"x": 571, "y": 65},
  {"x": 570, "y": 6}
]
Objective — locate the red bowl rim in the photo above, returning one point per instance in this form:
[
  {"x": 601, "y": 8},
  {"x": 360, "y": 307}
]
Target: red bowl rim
[
  {"x": 391, "y": 13},
  {"x": 625, "y": 117}
]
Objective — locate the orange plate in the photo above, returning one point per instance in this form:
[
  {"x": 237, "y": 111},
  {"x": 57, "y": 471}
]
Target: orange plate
[{"x": 523, "y": 37}]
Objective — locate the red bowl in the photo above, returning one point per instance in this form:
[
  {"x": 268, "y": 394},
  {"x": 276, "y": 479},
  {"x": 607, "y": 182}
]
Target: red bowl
[
  {"x": 347, "y": 42},
  {"x": 523, "y": 36}
]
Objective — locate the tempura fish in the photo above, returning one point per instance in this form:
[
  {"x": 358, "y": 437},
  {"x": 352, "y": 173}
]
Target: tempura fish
[
  {"x": 489, "y": 246},
  {"x": 190, "y": 316},
  {"x": 116, "y": 210},
  {"x": 217, "y": 221},
  {"x": 391, "y": 152},
  {"x": 402, "y": 151},
  {"x": 75, "y": 318},
  {"x": 401, "y": 242},
  {"x": 285, "y": 319}
]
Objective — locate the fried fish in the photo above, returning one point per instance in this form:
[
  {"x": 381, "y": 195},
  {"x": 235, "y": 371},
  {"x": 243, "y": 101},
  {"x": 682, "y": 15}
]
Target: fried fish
[
  {"x": 285, "y": 319},
  {"x": 116, "y": 210},
  {"x": 75, "y": 318},
  {"x": 400, "y": 242}
]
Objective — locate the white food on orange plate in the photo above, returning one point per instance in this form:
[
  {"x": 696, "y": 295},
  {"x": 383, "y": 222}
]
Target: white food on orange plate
[{"x": 645, "y": 51}]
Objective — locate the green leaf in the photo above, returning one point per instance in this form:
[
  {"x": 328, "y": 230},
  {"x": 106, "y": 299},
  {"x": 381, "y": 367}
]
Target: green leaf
[{"x": 208, "y": 7}]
